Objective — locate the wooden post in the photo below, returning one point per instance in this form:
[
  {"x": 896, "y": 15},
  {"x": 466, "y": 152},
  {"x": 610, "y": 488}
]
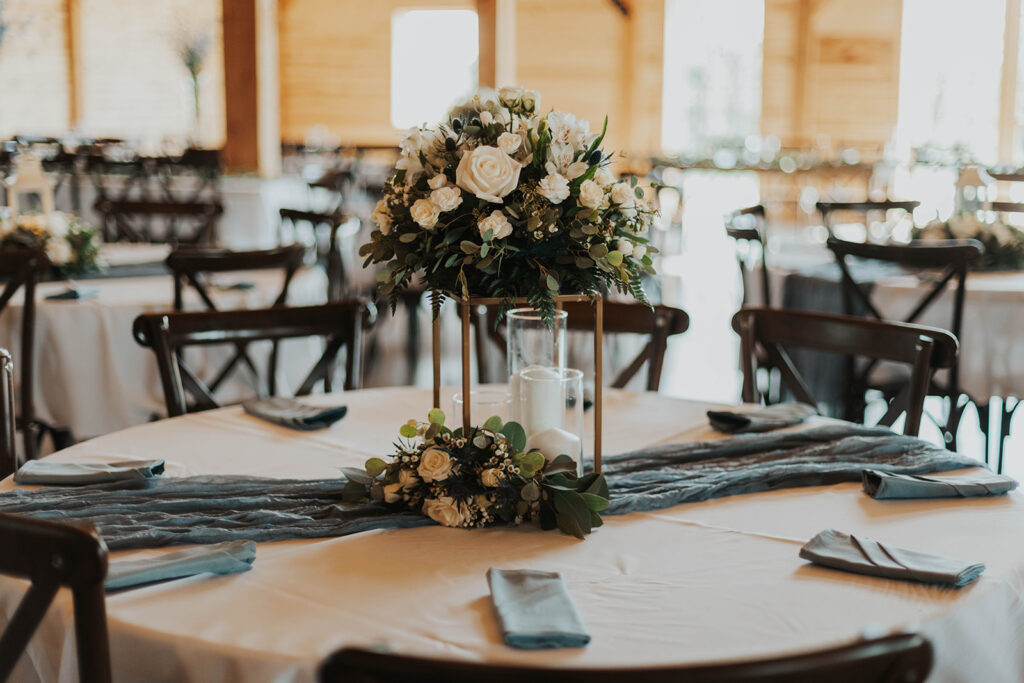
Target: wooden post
[
  {"x": 598, "y": 378},
  {"x": 1008, "y": 86},
  {"x": 497, "y": 39},
  {"x": 464, "y": 309},
  {"x": 436, "y": 327},
  {"x": 72, "y": 21}
]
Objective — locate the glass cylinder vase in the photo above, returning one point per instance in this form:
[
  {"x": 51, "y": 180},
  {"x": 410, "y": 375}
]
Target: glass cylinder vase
[
  {"x": 532, "y": 343},
  {"x": 551, "y": 405}
]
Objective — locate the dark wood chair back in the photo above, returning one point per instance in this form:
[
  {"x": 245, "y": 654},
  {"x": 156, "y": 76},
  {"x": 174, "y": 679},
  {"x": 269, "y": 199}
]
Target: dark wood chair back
[
  {"x": 22, "y": 269},
  {"x": 829, "y": 209},
  {"x": 8, "y": 452},
  {"x": 748, "y": 226},
  {"x": 171, "y": 222},
  {"x": 904, "y": 658},
  {"x": 925, "y": 349},
  {"x": 328, "y": 251},
  {"x": 51, "y": 556},
  {"x": 658, "y": 323},
  {"x": 341, "y": 324}
]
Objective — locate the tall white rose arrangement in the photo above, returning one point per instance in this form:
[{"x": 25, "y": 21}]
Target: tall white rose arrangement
[{"x": 503, "y": 201}]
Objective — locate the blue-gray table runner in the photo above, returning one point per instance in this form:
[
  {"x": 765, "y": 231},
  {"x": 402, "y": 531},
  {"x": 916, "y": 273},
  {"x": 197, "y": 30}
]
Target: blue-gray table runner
[{"x": 212, "y": 509}]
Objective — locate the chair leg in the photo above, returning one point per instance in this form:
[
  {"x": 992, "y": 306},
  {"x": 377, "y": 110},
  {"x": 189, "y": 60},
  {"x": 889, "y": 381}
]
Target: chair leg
[
  {"x": 412, "y": 338},
  {"x": 1005, "y": 419},
  {"x": 984, "y": 415}
]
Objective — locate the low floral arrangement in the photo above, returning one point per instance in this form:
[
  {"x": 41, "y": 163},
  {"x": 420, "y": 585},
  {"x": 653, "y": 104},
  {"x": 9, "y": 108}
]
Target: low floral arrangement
[
  {"x": 71, "y": 245},
  {"x": 1004, "y": 244},
  {"x": 480, "y": 479},
  {"x": 502, "y": 201}
]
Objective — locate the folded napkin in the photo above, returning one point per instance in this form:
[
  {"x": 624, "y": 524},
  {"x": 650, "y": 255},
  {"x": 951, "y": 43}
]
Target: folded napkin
[
  {"x": 294, "y": 414},
  {"x": 74, "y": 293},
  {"x": 534, "y": 610},
  {"x": 837, "y": 550},
  {"x": 231, "y": 557},
  {"x": 887, "y": 485},
  {"x": 47, "y": 472},
  {"x": 763, "y": 419}
]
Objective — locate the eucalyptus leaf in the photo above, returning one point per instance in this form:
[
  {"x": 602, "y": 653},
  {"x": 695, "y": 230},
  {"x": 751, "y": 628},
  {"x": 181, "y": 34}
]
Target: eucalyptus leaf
[
  {"x": 375, "y": 466},
  {"x": 530, "y": 492},
  {"x": 515, "y": 435},
  {"x": 595, "y": 503},
  {"x": 436, "y": 416},
  {"x": 493, "y": 424},
  {"x": 408, "y": 431},
  {"x": 353, "y": 492},
  {"x": 572, "y": 505},
  {"x": 357, "y": 475},
  {"x": 408, "y": 237},
  {"x": 614, "y": 258}
]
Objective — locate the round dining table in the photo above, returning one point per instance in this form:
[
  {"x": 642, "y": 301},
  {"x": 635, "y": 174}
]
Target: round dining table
[{"x": 713, "y": 581}]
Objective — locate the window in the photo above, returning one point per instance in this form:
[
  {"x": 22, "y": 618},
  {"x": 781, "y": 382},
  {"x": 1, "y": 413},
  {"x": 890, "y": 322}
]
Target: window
[{"x": 433, "y": 63}]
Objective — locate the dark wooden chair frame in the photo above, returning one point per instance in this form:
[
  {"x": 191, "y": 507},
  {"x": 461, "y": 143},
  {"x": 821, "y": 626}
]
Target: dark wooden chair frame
[
  {"x": 828, "y": 208},
  {"x": 130, "y": 220},
  {"x": 952, "y": 259},
  {"x": 755, "y": 233},
  {"x": 925, "y": 349},
  {"x": 341, "y": 323},
  {"x": 659, "y": 322},
  {"x": 8, "y": 451},
  {"x": 50, "y": 556},
  {"x": 903, "y": 658},
  {"x": 332, "y": 260}
]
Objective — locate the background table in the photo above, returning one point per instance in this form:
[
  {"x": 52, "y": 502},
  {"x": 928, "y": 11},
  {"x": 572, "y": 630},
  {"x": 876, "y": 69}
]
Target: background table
[
  {"x": 91, "y": 375},
  {"x": 695, "y": 583}
]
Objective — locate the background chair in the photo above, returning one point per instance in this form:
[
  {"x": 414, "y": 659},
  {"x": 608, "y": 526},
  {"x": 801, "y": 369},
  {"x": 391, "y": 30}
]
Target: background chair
[
  {"x": 341, "y": 324},
  {"x": 658, "y": 323},
  {"x": 50, "y": 556},
  {"x": 747, "y": 226},
  {"x": 172, "y": 222},
  {"x": 828, "y": 210},
  {"x": 925, "y": 349},
  {"x": 328, "y": 250},
  {"x": 8, "y": 453},
  {"x": 905, "y": 658}
]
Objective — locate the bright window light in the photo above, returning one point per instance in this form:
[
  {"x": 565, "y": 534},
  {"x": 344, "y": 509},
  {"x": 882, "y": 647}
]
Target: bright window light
[{"x": 433, "y": 63}]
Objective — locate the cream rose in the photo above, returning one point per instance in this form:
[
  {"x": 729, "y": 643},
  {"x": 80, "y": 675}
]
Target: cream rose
[
  {"x": 435, "y": 465},
  {"x": 624, "y": 247},
  {"x": 489, "y": 478},
  {"x": 437, "y": 181},
  {"x": 622, "y": 194},
  {"x": 392, "y": 493},
  {"x": 488, "y": 173},
  {"x": 446, "y": 198},
  {"x": 443, "y": 510},
  {"x": 531, "y": 100},
  {"x": 591, "y": 194},
  {"x": 407, "y": 480},
  {"x": 498, "y": 225},
  {"x": 509, "y": 95},
  {"x": 509, "y": 142},
  {"x": 382, "y": 218},
  {"x": 425, "y": 213},
  {"x": 603, "y": 176},
  {"x": 554, "y": 187},
  {"x": 638, "y": 251}
]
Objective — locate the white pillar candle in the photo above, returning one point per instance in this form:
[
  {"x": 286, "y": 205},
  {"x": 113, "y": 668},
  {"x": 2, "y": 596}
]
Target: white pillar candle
[
  {"x": 541, "y": 400},
  {"x": 556, "y": 441}
]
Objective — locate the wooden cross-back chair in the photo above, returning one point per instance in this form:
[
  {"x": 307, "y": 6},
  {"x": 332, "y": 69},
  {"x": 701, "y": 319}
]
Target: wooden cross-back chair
[
  {"x": 748, "y": 225},
  {"x": 171, "y": 222},
  {"x": 659, "y": 323},
  {"x": 340, "y": 323},
  {"x": 328, "y": 251},
  {"x": 191, "y": 266},
  {"x": 829, "y": 209},
  {"x": 201, "y": 166},
  {"x": 51, "y": 556},
  {"x": 902, "y": 658},
  {"x": 8, "y": 451},
  {"x": 951, "y": 260},
  {"x": 925, "y": 349}
]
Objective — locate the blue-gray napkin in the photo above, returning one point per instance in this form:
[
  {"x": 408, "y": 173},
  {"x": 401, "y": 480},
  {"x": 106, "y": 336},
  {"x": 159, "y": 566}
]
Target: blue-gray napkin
[
  {"x": 534, "y": 610},
  {"x": 763, "y": 419},
  {"x": 74, "y": 294},
  {"x": 46, "y": 472},
  {"x": 887, "y": 485},
  {"x": 850, "y": 553},
  {"x": 291, "y": 413},
  {"x": 231, "y": 557}
]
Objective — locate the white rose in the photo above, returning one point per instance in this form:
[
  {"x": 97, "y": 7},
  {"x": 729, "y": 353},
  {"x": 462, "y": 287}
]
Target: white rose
[
  {"x": 638, "y": 251},
  {"x": 531, "y": 100},
  {"x": 443, "y": 510},
  {"x": 392, "y": 493},
  {"x": 407, "y": 479},
  {"x": 622, "y": 194},
  {"x": 381, "y": 217},
  {"x": 554, "y": 187},
  {"x": 625, "y": 247},
  {"x": 576, "y": 169},
  {"x": 488, "y": 173},
  {"x": 591, "y": 194},
  {"x": 437, "y": 181},
  {"x": 486, "y": 118},
  {"x": 435, "y": 464},
  {"x": 446, "y": 198},
  {"x": 603, "y": 176},
  {"x": 425, "y": 213},
  {"x": 509, "y": 142},
  {"x": 489, "y": 478},
  {"x": 498, "y": 225},
  {"x": 509, "y": 95}
]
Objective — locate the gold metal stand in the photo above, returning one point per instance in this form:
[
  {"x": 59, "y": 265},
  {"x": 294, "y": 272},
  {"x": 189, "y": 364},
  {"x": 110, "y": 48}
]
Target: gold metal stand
[{"x": 465, "y": 309}]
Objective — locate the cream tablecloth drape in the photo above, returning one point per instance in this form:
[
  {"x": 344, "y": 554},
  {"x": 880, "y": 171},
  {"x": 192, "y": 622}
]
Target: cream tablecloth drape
[{"x": 711, "y": 581}]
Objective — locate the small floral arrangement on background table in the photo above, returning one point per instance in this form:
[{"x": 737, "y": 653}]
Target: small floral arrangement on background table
[
  {"x": 1004, "y": 244},
  {"x": 483, "y": 478},
  {"x": 71, "y": 245},
  {"x": 504, "y": 202}
]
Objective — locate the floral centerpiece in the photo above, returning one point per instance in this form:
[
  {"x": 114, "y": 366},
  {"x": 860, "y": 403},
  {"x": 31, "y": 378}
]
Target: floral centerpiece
[
  {"x": 503, "y": 201},
  {"x": 482, "y": 478},
  {"x": 1004, "y": 244},
  {"x": 70, "y": 244}
]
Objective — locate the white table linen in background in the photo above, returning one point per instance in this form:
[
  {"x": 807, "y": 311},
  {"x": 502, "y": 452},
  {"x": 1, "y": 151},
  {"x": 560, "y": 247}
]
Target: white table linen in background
[
  {"x": 710, "y": 581},
  {"x": 91, "y": 375}
]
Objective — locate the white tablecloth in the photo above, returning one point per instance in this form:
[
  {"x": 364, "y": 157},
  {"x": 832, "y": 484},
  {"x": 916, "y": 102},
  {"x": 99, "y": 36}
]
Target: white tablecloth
[
  {"x": 695, "y": 583},
  {"x": 91, "y": 375}
]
